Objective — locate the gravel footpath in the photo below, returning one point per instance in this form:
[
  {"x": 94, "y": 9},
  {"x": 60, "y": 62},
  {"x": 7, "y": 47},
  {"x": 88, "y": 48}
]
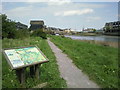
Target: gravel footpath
[{"x": 74, "y": 77}]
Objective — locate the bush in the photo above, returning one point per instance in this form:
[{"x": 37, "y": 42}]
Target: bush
[
  {"x": 39, "y": 33},
  {"x": 22, "y": 34}
]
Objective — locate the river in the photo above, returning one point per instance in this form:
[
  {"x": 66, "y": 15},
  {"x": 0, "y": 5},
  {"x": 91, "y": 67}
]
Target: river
[{"x": 96, "y": 38}]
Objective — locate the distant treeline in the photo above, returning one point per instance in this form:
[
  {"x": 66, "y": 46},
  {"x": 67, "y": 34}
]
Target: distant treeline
[{"x": 9, "y": 30}]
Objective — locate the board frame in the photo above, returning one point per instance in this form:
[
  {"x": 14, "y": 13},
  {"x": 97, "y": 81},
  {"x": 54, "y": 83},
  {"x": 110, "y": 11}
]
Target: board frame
[{"x": 28, "y": 65}]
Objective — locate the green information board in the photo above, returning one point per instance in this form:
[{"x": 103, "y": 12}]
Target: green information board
[{"x": 25, "y": 56}]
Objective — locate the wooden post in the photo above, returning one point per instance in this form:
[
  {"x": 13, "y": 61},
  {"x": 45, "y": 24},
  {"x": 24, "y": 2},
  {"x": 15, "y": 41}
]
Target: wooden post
[
  {"x": 21, "y": 75},
  {"x": 37, "y": 73},
  {"x": 32, "y": 71}
]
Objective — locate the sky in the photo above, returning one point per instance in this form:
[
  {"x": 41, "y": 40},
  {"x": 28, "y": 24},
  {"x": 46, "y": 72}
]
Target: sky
[{"x": 63, "y": 14}]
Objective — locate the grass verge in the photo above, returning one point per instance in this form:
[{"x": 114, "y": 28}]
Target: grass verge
[
  {"x": 99, "y": 62},
  {"x": 49, "y": 71}
]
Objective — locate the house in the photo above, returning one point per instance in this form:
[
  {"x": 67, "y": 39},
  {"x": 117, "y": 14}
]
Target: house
[
  {"x": 88, "y": 30},
  {"x": 20, "y": 26},
  {"x": 36, "y": 24},
  {"x": 67, "y": 31},
  {"x": 112, "y": 28}
]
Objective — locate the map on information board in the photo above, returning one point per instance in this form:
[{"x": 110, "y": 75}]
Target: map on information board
[{"x": 24, "y": 56}]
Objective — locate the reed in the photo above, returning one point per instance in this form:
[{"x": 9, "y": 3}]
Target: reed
[{"x": 104, "y": 43}]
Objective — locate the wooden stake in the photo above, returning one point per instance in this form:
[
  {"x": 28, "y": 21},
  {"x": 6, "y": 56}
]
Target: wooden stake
[
  {"x": 32, "y": 71},
  {"x": 21, "y": 75},
  {"x": 37, "y": 73}
]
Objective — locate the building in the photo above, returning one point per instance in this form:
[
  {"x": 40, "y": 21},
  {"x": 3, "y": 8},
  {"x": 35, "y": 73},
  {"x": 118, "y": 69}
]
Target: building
[
  {"x": 20, "y": 26},
  {"x": 112, "y": 28},
  {"x": 89, "y": 30},
  {"x": 67, "y": 31},
  {"x": 36, "y": 24}
]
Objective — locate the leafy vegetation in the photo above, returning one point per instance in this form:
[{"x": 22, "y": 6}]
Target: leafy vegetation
[
  {"x": 9, "y": 30},
  {"x": 11, "y": 37},
  {"x": 8, "y": 27},
  {"x": 99, "y": 62},
  {"x": 39, "y": 33},
  {"x": 22, "y": 34},
  {"x": 49, "y": 71}
]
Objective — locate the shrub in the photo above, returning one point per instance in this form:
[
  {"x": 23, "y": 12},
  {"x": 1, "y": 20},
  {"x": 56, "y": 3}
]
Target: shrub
[
  {"x": 39, "y": 33},
  {"x": 22, "y": 34}
]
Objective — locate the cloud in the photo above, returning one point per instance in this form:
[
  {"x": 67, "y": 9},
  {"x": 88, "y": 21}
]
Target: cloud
[
  {"x": 91, "y": 19},
  {"x": 90, "y": 5},
  {"x": 119, "y": 17},
  {"x": 74, "y": 12},
  {"x": 37, "y": 0},
  {"x": 0, "y": 8},
  {"x": 50, "y": 2},
  {"x": 25, "y": 0},
  {"x": 20, "y": 11},
  {"x": 59, "y": 2}
]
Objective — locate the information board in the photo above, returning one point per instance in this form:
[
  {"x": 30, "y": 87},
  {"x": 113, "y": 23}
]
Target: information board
[{"x": 25, "y": 56}]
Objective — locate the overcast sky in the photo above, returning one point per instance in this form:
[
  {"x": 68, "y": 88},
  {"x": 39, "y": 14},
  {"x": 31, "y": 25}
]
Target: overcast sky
[{"x": 63, "y": 14}]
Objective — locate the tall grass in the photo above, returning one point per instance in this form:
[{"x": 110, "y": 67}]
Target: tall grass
[
  {"x": 0, "y": 64},
  {"x": 99, "y": 62},
  {"x": 49, "y": 71},
  {"x": 105, "y": 43}
]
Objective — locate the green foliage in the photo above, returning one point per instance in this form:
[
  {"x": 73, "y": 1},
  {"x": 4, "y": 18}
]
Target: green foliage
[
  {"x": 22, "y": 34},
  {"x": 39, "y": 33},
  {"x": 107, "y": 28},
  {"x": 48, "y": 71},
  {"x": 8, "y": 27},
  {"x": 50, "y": 32},
  {"x": 94, "y": 30},
  {"x": 99, "y": 62}
]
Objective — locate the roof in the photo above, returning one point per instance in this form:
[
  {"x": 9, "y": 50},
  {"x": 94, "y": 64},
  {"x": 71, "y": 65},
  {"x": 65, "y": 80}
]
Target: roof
[{"x": 37, "y": 22}]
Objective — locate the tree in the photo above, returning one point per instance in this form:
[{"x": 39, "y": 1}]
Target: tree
[
  {"x": 107, "y": 28},
  {"x": 8, "y": 27},
  {"x": 94, "y": 30}
]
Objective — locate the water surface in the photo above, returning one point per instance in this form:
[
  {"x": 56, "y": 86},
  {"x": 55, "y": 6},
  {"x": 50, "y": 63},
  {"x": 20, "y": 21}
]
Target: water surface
[{"x": 96, "y": 38}]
